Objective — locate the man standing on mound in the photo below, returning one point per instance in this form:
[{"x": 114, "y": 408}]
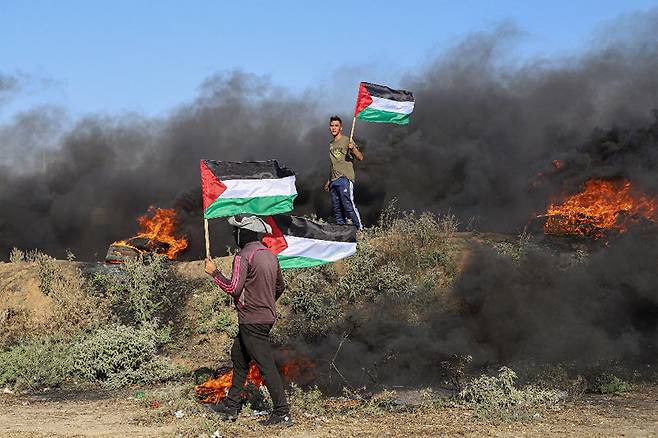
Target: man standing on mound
[
  {"x": 255, "y": 285},
  {"x": 340, "y": 184}
]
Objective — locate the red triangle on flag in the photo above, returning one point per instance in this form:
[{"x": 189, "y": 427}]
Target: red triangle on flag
[
  {"x": 363, "y": 100},
  {"x": 276, "y": 241},
  {"x": 211, "y": 186}
]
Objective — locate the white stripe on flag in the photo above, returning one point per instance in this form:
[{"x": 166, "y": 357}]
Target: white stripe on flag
[
  {"x": 254, "y": 188},
  {"x": 392, "y": 106},
  {"x": 326, "y": 250}
]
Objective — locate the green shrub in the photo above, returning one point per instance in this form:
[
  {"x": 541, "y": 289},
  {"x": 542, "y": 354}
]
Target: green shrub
[
  {"x": 399, "y": 252},
  {"x": 404, "y": 256},
  {"x": 121, "y": 355},
  {"x": 443, "y": 257},
  {"x": 313, "y": 304},
  {"x": 498, "y": 398},
  {"x": 609, "y": 384},
  {"x": 158, "y": 369},
  {"x": 48, "y": 271},
  {"x": 514, "y": 250},
  {"x": 144, "y": 291},
  {"x": 424, "y": 228},
  {"x": 223, "y": 320},
  {"x": 308, "y": 401},
  {"x": 305, "y": 292},
  {"x": 227, "y": 322},
  {"x": 369, "y": 273},
  {"x": 360, "y": 273},
  {"x": 42, "y": 362},
  {"x": 215, "y": 311}
]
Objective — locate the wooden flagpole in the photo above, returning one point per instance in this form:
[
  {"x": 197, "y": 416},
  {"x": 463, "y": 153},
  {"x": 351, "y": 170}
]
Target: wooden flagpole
[
  {"x": 354, "y": 117},
  {"x": 205, "y": 227},
  {"x": 352, "y": 131}
]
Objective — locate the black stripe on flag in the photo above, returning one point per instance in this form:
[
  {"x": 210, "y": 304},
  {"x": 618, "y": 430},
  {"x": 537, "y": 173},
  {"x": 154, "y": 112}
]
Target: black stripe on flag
[
  {"x": 388, "y": 93},
  {"x": 300, "y": 227},
  {"x": 225, "y": 170}
]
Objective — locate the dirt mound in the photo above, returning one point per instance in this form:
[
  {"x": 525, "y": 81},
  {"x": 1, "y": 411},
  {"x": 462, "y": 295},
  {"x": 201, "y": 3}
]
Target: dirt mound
[{"x": 26, "y": 310}]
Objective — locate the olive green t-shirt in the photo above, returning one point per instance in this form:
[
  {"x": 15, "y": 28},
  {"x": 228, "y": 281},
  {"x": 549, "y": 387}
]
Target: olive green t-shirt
[{"x": 341, "y": 160}]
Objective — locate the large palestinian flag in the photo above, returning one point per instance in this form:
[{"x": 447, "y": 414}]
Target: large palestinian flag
[
  {"x": 378, "y": 103},
  {"x": 301, "y": 243},
  {"x": 249, "y": 187}
]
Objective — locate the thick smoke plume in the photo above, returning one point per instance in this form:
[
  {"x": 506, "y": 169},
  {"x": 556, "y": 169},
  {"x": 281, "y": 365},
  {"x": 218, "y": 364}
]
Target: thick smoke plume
[
  {"x": 537, "y": 311},
  {"x": 483, "y": 128},
  {"x": 480, "y": 144},
  {"x": 87, "y": 190}
]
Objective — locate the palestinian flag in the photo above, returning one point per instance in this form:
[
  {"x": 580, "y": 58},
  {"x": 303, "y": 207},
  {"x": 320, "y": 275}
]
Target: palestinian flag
[
  {"x": 378, "y": 103},
  {"x": 249, "y": 187},
  {"x": 301, "y": 243}
]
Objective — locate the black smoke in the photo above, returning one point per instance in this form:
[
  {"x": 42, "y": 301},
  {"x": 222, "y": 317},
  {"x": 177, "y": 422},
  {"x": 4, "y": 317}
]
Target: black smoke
[
  {"x": 483, "y": 129},
  {"x": 87, "y": 190},
  {"x": 538, "y": 310},
  {"x": 484, "y": 126},
  {"x": 480, "y": 144}
]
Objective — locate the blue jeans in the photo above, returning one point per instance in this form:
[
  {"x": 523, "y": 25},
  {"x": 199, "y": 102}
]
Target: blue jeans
[{"x": 342, "y": 201}]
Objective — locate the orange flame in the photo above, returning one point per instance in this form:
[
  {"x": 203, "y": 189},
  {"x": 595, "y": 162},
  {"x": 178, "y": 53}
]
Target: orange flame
[
  {"x": 159, "y": 225},
  {"x": 602, "y": 205},
  {"x": 215, "y": 390},
  {"x": 253, "y": 376}
]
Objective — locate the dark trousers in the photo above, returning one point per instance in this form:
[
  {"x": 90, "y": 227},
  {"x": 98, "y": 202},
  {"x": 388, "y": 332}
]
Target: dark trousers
[
  {"x": 342, "y": 201},
  {"x": 253, "y": 343}
]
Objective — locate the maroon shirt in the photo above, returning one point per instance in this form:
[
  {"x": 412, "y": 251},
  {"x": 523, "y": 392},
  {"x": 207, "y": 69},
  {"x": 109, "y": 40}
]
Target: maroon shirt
[{"x": 255, "y": 284}]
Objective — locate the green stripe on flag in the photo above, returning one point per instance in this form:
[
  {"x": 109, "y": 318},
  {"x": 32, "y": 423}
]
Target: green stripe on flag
[
  {"x": 262, "y": 206},
  {"x": 291, "y": 262},
  {"x": 375, "y": 115}
]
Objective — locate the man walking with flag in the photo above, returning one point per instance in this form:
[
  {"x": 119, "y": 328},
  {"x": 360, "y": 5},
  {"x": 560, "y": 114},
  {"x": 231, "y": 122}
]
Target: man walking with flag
[
  {"x": 256, "y": 283},
  {"x": 342, "y": 152}
]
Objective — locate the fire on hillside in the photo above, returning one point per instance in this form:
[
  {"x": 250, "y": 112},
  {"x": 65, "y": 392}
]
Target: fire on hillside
[
  {"x": 157, "y": 235},
  {"x": 601, "y": 207}
]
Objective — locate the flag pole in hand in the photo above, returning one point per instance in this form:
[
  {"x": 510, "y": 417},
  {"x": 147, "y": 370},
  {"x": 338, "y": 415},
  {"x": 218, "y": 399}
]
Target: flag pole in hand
[
  {"x": 352, "y": 131},
  {"x": 205, "y": 227}
]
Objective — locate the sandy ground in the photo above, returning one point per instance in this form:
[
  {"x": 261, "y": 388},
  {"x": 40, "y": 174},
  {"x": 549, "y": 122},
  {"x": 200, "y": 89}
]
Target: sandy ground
[{"x": 104, "y": 414}]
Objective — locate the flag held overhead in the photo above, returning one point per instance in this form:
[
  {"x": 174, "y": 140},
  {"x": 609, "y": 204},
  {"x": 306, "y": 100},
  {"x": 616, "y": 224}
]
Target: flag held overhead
[
  {"x": 250, "y": 187},
  {"x": 378, "y": 103}
]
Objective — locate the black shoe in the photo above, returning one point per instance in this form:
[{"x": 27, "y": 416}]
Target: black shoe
[
  {"x": 224, "y": 412},
  {"x": 277, "y": 420}
]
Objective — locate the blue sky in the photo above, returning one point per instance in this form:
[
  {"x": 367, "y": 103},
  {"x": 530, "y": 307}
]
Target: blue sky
[{"x": 149, "y": 56}]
